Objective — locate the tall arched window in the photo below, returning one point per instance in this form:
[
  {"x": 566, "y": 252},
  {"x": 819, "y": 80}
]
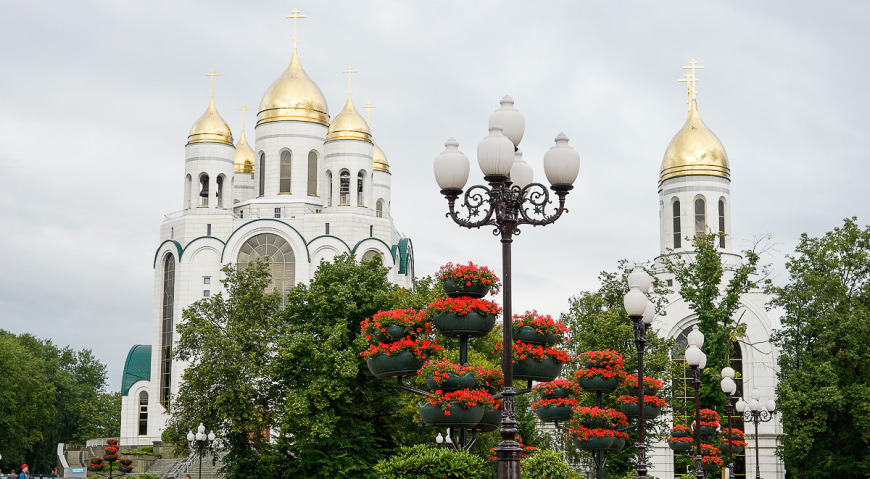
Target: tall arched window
[
  {"x": 700, "y": 217},
  {"x": 360, "y": 182},
  {"x": 168, "y": 327},
  {"x": 262, "y": 174},
  {"x": 344, "y": 188},
  {"x": 278, "y": 252},
  {"x": 284, "y": 182},
  {"x": 220, "y": 191},
  {"x": 188, "y": 182},
  {"x": 143, "y": 413},
  {"x": 312, "y": 173},
  {"x": 678, "y": 241},
  {"x": 203, "y": 190},
  {"x": 379, "y": 209},
  {"x": 328, "y": 188},
  {"x": 721, "y": 223}
]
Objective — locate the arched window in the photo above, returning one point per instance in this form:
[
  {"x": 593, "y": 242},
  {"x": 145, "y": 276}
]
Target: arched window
[
  {"x": 678, "y": 242},
  {"x": 312, "y": 173},
  {"x": 721, "y": 223},
  {"x": 344, "y": 188},
  {"x": 278, "y": 252},
  {"x": 379, "y": 209},
  {"x": 700, "y": 217},
  {"x": 220, "y": 191},
  {"x": 262, "y": 174},
  {"x": 329, "y": 188},
  {"x": 203, "y": 190},
  {"x": 360, "y": 181},
  {"x": 143, "y": 413},
  {"x": 168, "y": 327},
  {"x": 284, "y": 186},
  {"x": 373, "y": 255}
]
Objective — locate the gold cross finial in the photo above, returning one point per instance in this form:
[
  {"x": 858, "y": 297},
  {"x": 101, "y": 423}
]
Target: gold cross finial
[
  {"x": 350, "y": 71},
  {"x": 691, "y": 78},
  {"x": 243, "y": 109},
  {"x": 368, "y": 106},
  {"x": 212, "y": 74},
  {"x": 295, "y": 16},
  {"x": 690, "y": 86}
]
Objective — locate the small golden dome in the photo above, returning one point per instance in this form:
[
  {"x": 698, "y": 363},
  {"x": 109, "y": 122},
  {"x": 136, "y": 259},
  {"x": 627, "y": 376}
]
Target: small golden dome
[
  {"x": 244, "y": 160},
  {"x": 293, "y": 96},
  {"x": 210, "y": 128},
  {"x": 349, "y": 125},
  {"x": 380, "y": 159},
  {"x": 694, "y": 151}
]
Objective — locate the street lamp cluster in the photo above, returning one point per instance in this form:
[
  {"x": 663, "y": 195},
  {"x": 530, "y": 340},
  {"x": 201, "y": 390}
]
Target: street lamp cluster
[
  {"x": 756, "y": 412},
  {"x": 200, "y": 441}
]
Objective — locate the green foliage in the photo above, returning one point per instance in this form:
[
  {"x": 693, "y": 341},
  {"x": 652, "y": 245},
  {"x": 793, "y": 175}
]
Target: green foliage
[
  {"x": 101, "y": 417},
  {"x": 430, "y": 462},
  {"x": 824, "y": 377},
  {"x": 700, "y": 278},
  {"x": 547, "y": 465},
  {"x": 147, "y": 476}
]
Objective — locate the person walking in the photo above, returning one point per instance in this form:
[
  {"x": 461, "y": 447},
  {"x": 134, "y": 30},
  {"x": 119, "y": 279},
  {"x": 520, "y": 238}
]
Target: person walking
[
  {"x": 12, "y": 474},
  {"x": 25, "y": 472}
]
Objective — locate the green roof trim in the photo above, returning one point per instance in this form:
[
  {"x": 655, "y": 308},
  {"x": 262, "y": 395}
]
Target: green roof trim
[
  {"x": 374, "y": 239},
  {"x": 304, "y": 243},
  {"x": 137, "y": 367},
  {"x": 177, "y": 246},
  {"x": 404, "y": 254},
  {"x": 329, "y": 236},
  {"x": 199, "y": 238}
]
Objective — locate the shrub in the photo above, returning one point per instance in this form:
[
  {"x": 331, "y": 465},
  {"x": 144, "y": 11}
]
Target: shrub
[
  {"x": 547, "y": 465},
  {"x": 430, "y": 462}
]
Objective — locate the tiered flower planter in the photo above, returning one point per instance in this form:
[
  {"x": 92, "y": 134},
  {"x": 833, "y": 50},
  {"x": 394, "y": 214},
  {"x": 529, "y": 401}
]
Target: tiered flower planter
[
  {"x": 396, "y": 348},
  {"x": 681, "y": 439},
  {"x": 602, "y": 371},
  {"x": 652, "y": 406},
  {"x": 535, "y": 356}
]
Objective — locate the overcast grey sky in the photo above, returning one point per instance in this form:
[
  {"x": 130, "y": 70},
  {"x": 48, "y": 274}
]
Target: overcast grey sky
[{"x": 97, "y": 98}]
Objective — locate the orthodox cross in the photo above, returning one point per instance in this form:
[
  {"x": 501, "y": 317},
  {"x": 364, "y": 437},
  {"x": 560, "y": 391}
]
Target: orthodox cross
[
  {"x": 212, "y": 74},
  {"x": 295, "y": 16},
  {"x": 691, "y": 79},
  {"x": 243, "y": 109},
  {"x": 368, "y": 106},
  {"x": 350, "y": 71}
]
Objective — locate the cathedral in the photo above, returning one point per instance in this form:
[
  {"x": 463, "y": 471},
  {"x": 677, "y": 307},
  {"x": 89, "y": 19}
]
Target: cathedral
[
  {"x": 312, "y": 187},
  {"x": 695, "y": 198}
]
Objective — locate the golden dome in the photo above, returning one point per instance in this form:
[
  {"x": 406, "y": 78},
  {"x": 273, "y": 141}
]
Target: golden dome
[
  {"x": 694, "y": 151},
  {"x": 349, "y": 125},
  {"x": 293, "y": 96},
  {"x": 380, "y": 159},
  {"x": 244, "y": 160},
  {"x": 210, "y": 128}
]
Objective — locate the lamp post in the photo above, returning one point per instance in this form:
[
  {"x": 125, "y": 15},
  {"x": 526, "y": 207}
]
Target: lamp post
[
  {"x": 510, "y": 200},
  {"x": 729, "y": 387},
  {"x": 756, "y": 413},
  {"x": 697, "y": 361},
  {"x": 200, "y": 440},
  {"x": 641, "y": 312}
]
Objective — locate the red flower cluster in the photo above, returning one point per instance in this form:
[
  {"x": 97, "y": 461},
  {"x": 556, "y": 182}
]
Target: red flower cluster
[
  {"x": 440, "y": 370},
  {"x": 680, "y": 428},
  {"x": 631, "y": 381},
  {"x": 462, "y": 305},
  {"x": 647, "y": 400},
  {"x": 614, "y": 418},
  {"x": 584, "y": 433},
  {"x": 412, "y": 320},
  {"x": 710, "y": 415},
  {"x": 732, "y": 432},
  {"x": 96, "y": 461},
  {"x": 538, "y": 352},
  {"x": 464, "y": 397},
  {"x": 554, "y": 402},
  {"x": 543, "y": 324},
  {"x": 491, "y": 378},
  {"x": 676, "y": 440},
  {"x": 712, "y": 460},
  {"x": 469, "y": 274},
  {"x": 735, "y": 442},
  {"x": 708, "y": 450},
  {"x": 421, "y": 348},
  {"x": 606, "y": 364},
  {"x": 565, "y": 384}
]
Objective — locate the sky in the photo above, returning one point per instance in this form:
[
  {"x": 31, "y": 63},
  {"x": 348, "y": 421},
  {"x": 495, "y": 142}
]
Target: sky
[{"x": 97, "y": 98}]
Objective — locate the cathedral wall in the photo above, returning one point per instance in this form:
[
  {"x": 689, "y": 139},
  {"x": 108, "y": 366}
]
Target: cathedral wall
[
  {"x": 215, "y": 160},
  {"x": 381, "y": 191},
  {"x": 299, "y": 138},
  {"x": 686, "y": 189}
]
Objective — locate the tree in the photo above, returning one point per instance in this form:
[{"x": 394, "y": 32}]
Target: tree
[
  {"x": 101, "y": 417},
  {"x": 700, "y": 279},
  {"x": 824, "y": 375}
]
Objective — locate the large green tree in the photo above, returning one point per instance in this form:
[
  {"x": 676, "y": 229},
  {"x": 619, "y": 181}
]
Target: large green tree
[{"x": 824, "y": 376}]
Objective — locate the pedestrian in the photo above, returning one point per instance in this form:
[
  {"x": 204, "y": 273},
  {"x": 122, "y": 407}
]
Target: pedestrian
[
  {"x": 25, "y": 472},
  {"x": 12, "y": 474}
]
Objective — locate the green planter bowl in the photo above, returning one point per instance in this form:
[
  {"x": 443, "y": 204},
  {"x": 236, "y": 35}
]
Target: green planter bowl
[
  {"x": 473, "y": 324},
  {"x": 710, "y": 467},
  {"x": 453, "y": 382},
  {"x": 434, "y": 416},
  {"x": 596, "y": 423},
  {"x": 595, "y": 443},
  {"x": 455, "y": 290},
  {"x": 680, "y": 446},
  {"x": 94, "y": 468},
  {"x": 490, "y": 421},
  {"x": 632, "y": 391},
  {"x": 554, "y": 412},
  {"x": 681, "y": 434},
  {"x": 597, "y": 384},
  {"x": 618, "y": 444},
  {"x": 530, "y": 369},
  {"x": 649, "y": 412},
  {"x": 394, "y": 333},
  {"x": 557, "y": 393},
  {"x": 723, "y": 446},
  {"x": 125, "y": 469},
  {"x": 385, "y": 366},
  {"x": 528, "y": 334},
  {"x": 708, "y": 430}
]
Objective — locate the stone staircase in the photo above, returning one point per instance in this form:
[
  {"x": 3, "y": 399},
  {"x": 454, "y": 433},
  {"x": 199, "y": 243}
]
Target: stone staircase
[{"x": 180, "y": 467}]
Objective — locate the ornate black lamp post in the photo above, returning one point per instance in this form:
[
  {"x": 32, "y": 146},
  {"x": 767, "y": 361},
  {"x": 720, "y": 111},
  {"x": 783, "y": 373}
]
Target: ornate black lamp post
[
  {"x": 697, "y": 361},
  {"x": 756, "y": 413},
  {"x": 729, "y": 387},
  {"x": 641, "y": 311},
  {"x": 511, "y": 199},
  {"x": 200, "y": 441}
]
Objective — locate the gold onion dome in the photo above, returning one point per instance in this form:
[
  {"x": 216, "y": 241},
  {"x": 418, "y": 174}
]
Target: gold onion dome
[
  {"x": 349, "y": 125},
  {"x": 244, "y": 160},
  {"x": 293, "y": 96},
  {"x": 210, "y": 128},
  {"x": 380, "y": 159},
  {"x": 694, "y": 151}
]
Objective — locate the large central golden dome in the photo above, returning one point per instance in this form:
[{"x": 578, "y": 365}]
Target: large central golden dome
[
  {"x": 349, "y": 125},
  {"x": 694, "y": 151},
  {"x": 293, "y": 96}
]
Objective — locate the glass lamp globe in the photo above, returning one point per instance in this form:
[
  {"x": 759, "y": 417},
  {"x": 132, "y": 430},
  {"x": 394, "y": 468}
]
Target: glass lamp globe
[
  {"x": 510, "y": 119},
  {"x": 649, "y": 313},
  {"x": 439, "y": 439},
  {"x": 200, "y": 436},
  {"x": 740, "y": 406},
  {"x": 694, "y": 355},
  {"x": 703, "y": 363},
  {"x": 561, "y": 164},
  {"x": 728, "y": 372},
  {"x": 521, "y": 171},
  {"x": 755, "y": 405},
  {"x": 451, "y": 167},
  {"x": 190, "y": 436},
  {"x": 756, "y": 394},
  {"x": 495, "y": 153},
  {"x": 771, "y": 405},
  {"x": 695, "y": 337},
  {"x": 640, "y": 278},
  {"x": 727, "y": 385},
  {"x": 211, "y": 436},
  {"x": 200, "y": 428},
  {"x": 635, "y": 302}
]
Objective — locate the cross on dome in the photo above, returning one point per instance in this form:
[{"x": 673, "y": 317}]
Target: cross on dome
[
  {"x": 243, "y": 109},
  {"x": 690, "y": 78},
  {"x": 368, "y": 106},
  {"x": 211, "y": 73},
  {"x": 350, "y": 71},
  {"x": 295, "y": 16}
]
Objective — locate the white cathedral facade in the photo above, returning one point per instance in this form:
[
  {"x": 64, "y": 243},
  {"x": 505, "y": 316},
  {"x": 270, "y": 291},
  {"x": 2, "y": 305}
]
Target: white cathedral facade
[{"x": 311, "y": 188}]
